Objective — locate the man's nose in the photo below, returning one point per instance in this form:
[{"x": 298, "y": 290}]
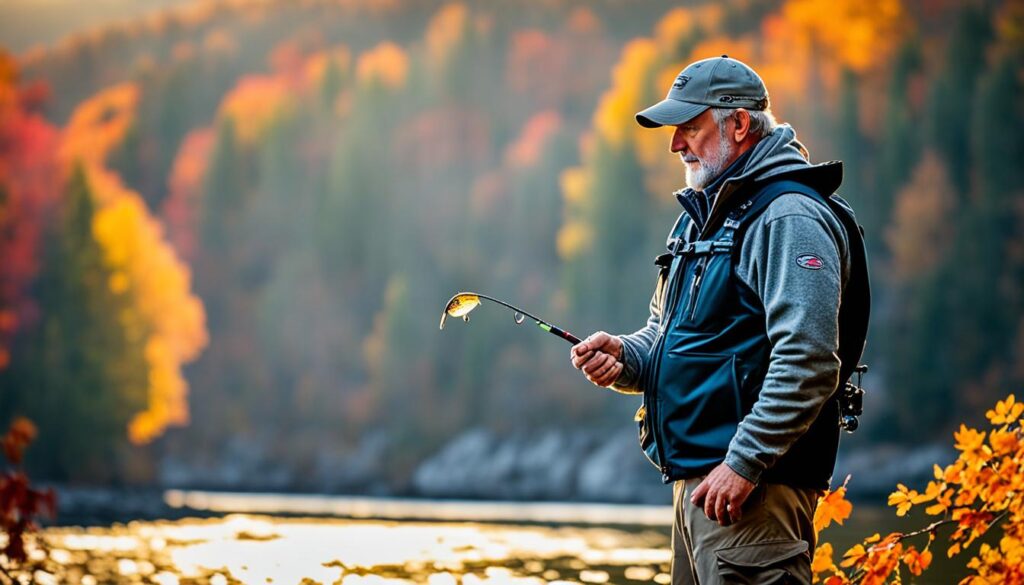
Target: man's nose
[{"x": 678, "y": 142}]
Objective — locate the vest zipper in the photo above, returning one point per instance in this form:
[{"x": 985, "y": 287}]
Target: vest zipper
[
  {"x": 672, "y": 287},
  {"x": 695, "y": 287}
]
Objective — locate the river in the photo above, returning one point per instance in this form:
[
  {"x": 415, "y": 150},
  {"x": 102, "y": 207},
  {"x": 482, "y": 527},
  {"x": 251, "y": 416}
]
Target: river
[{"x": 275, "y": 539}]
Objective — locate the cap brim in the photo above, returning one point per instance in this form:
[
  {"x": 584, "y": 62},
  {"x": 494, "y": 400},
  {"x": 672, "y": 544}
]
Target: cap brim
[{"x": 669, "y": 112}]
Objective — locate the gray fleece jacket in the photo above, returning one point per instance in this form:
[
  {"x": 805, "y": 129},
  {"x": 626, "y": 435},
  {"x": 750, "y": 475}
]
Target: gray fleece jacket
[{"x": 801, "y": 310}]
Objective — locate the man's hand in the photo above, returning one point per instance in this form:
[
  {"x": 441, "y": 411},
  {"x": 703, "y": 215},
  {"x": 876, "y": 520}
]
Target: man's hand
[
  {"x": 599, "y": 357},
  {"x": 722, "y": 494}
]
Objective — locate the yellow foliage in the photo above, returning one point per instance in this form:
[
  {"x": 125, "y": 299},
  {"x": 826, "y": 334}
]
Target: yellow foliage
[
  {"x": 575, "y": 185},
  {"x": 172, "y": 317},
  {"x": 253, "y": 104},
  {"x": 386, "y": 64},
  {"x": 675, "y": 25},
  {"x": 163, "y": 312},
  {"x": 613, "y": 118},
  {"x": 444, "y": 33},
  {"x": 573, "y": 238}
]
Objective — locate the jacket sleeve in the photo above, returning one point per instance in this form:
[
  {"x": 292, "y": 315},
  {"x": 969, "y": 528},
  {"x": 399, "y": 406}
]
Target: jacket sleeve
[
  {"x": 636, "y": 348},
  {"x": 795, "y": 259}
]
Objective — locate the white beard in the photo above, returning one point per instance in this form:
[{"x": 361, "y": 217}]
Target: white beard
[{"x": 708, "y": 169}]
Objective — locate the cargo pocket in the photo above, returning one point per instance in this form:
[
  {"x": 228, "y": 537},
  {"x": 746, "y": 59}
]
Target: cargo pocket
[{"x": 777, "y": 562}]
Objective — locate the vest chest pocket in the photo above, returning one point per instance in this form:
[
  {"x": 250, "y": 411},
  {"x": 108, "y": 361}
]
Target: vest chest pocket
[{"x": 709, "y": 289}]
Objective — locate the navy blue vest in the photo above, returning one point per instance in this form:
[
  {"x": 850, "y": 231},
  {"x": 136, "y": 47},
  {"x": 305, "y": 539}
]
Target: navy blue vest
[{"x": 710, "y": 358}]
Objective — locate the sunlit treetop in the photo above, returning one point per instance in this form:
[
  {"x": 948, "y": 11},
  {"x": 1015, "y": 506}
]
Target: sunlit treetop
[
  {"x": 859, "y": 34},
  {"x": 445, "y": 32},
  {"x": 99, "y": 124},
  {"x": 386, "y": 64},
  {"x": 253, "y": 104}
]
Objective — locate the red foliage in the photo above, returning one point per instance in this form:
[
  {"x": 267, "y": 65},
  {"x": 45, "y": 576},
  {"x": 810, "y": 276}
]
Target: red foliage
[
  {"x": 28, "y": 189},
  {"x": 20, "y": 504}
]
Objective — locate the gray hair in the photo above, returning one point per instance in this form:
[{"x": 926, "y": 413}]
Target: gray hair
[{"x": 762, "y": 122}]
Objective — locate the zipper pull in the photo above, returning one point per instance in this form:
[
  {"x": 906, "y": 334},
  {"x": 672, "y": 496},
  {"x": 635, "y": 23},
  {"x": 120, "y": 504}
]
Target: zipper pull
[{"x": 695, "y": 287}]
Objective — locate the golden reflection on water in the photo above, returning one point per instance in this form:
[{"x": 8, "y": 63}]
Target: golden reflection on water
[{"x": 265, "y": 550}]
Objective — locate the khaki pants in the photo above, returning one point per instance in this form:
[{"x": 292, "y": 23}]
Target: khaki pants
[{"x": 771, "y": 544}]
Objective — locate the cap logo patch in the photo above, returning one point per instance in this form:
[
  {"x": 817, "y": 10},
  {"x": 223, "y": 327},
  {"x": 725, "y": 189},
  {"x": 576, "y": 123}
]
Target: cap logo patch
[
  {"x": 681, "y": 82},
  {"x": 810, "y": 262}
]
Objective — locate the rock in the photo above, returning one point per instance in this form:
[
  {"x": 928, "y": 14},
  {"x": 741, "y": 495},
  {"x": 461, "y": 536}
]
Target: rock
[{"x": 551, "y": 464}]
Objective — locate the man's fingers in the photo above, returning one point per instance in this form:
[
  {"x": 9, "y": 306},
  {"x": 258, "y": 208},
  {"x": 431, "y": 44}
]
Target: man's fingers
[
  {"x": 735, "y": 509},
  {"x": 598, "y": 365},
  {"x": 697, "y": 497},
  {"x": 612, "y": 375},
  {"x": 722, "y": 510},
  {"x": 709, "y": 506},
  {"x": 606, "y": 379},
  {"x": 578, "y": 361}
]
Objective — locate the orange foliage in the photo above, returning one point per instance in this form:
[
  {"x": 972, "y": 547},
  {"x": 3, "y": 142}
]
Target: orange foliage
[
  {"x": 98, "y": 125},
  {"x": 386, "y": 64},
  {"x": 534, "y": 59},
  {"x": 253, "y": 104},
  {"x": 679, "y": 23},
  {"x": 858, "y": 34},
  {"x": 316, "y": 65},
  {"x": 529, "y": 146},
  {"x": 582, "y": 21},
  {"x": 444, "y": 34},
  {"x": 185, "y": 187},
  {"x": 982, "y": 489},
  {"x": 921, "y": 220},
  {"x": 832, "y": 507}
]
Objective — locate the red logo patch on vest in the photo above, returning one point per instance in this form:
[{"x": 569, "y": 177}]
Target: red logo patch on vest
[{"x": 810, "y": 262}]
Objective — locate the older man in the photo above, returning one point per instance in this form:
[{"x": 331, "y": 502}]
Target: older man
[{"x": 741, "y": 357}]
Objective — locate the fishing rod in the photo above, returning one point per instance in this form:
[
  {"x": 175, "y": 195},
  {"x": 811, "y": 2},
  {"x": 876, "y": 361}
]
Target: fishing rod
[{"x": 461, "y": 304}]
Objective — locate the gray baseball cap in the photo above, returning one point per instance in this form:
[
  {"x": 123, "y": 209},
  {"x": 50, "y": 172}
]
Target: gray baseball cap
[{"x": 716, "y": 82}]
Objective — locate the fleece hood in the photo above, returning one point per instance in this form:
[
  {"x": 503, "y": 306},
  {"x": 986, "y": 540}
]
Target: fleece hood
[{"x": 776, "y": 156}]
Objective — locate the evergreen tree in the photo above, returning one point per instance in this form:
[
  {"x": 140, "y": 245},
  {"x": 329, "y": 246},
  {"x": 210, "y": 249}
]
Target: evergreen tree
[
  {"x": 901, "y": 144},
  {"x": 953, "y": 92},
  {"x": 81, "y": 373}
]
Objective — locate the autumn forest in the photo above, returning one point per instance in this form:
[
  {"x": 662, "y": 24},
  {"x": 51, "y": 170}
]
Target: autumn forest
[{"x": 227, "y": 231}]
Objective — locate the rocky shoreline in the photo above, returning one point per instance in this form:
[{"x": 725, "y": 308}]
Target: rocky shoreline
[{"x": 582, "y": 465}]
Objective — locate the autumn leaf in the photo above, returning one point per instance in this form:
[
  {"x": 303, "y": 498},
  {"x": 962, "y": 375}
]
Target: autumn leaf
[
  {"x": 854, "y": 556},
  {"x": 902, "y": 498},
  {"x": 833, "y": 506},
  {"x": 917, "y": 562},
  {"x": 1006, "y": 411},
  {"x": 822, "y": 559},
  {"x": 968, "y": 440}
]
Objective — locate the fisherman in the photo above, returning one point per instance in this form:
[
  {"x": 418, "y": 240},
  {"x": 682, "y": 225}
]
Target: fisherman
[{"x": 740, "y": 360}]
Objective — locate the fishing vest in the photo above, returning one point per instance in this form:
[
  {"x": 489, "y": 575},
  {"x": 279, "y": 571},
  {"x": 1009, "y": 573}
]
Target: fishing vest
[{"x": 711, "y": 355}]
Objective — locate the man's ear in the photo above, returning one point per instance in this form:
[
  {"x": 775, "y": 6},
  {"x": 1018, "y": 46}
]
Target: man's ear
[{"x": 742, "y": 129}]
